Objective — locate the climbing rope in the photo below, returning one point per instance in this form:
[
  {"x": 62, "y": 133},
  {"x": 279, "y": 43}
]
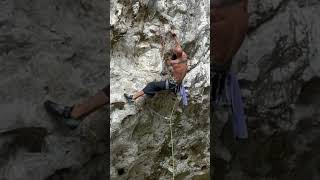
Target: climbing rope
[
  {"x": 160, "y": 115},
  {"x": 171, "y": 137},
  {"x": 162, "y": 43},
  {"x": 171, "y": 133}
]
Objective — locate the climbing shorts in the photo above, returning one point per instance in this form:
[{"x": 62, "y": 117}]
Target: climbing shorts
[{"x": 157, "y": 86}]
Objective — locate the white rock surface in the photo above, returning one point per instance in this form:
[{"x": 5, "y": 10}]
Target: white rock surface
[{"x": 140, "y": 141}]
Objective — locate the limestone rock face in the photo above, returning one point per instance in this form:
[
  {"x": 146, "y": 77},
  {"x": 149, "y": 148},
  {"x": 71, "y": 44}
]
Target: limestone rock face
[
  {"x": 278, "y": 67},
  {"x": 140, "y": 136},
  {"x": 51, "y": 50}
]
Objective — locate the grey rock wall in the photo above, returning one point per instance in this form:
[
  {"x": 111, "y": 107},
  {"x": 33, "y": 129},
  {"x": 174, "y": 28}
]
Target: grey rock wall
[
  {"x": 278, "y": 68},
  {"x": 51, "y": 50},
  {"x": 140, "y": 136},
  {"x": 56, "y": 50}
]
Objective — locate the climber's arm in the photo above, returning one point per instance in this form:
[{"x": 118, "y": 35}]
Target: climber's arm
[
  {"x": 176, "y": 61},
  {"x": 175, "y": 39},
  {"x": 168, "y": 62}
]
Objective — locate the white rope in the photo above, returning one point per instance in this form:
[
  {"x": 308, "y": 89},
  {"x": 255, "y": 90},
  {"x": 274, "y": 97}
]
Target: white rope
[
  {"x": 153, "y": 111},
  {"x": 171, "y": 133},
  {"x": 162, "y": 42}
]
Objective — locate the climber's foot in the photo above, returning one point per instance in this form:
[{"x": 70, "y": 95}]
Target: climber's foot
[
  {"x": 63, "y": 112},
  {"x": 129, "y": 98}
]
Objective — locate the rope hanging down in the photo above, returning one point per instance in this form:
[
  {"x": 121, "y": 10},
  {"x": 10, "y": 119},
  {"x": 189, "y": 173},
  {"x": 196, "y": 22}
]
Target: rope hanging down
[
  {"x": 171, "y": 137},
  {"x": 171, "y": 133},
  {"x": 162, "y": 43}
]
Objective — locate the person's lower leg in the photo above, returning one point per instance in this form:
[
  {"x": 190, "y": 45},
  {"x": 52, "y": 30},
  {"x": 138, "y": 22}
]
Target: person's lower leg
[
  {"x": 137, "y": 95},
  {"x": 89, "y": 105}
]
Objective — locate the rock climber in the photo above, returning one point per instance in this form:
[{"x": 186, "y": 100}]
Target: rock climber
[
  {"x": 179, "y": 64},
  {"x": 229, "y": 25},
  {"x": 72, "y": 115}
]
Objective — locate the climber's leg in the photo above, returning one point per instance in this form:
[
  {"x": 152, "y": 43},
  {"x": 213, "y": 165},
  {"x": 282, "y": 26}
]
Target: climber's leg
[
  {"x": 71, "y": 115},
  {"x": 151, "y": 89},
  {"x": 89, "y": 105},
  {"x": 131, "y": 98},
  {"x": 137, "y": 95}
]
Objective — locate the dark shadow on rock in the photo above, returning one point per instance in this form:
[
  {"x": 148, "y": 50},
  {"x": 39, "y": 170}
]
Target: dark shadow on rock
[{"x": 32, "y": 139}]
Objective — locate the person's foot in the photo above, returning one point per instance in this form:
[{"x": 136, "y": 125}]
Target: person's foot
[
  {"x": 63, "y": 112},
  {"x": 129, "y": 98}
]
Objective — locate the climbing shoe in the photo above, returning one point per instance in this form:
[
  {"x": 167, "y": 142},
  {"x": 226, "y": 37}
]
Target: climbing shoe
[
  {"x": 129, "y": 98},
  {"x": 63, "y": 112}
]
